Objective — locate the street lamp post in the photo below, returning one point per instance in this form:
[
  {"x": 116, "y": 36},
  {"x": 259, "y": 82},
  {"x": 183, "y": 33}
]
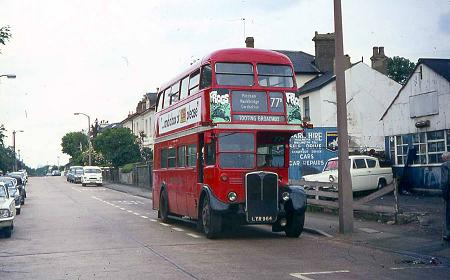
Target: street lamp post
[
  {"x": 89, "y": 135},
  {"x": 14, "y": 147}
]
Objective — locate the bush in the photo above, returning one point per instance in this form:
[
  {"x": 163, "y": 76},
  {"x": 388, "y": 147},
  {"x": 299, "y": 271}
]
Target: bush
[{"x": 127, "y": 168}]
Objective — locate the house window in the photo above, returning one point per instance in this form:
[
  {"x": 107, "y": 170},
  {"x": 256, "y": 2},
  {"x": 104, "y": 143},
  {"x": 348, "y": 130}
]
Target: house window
[
  {"x": 448, "y": 140},
  {"x": 420, "y": 144},
  {"x": 401, "y": 148},
  {"x": 436, "y": 146},
  {"x": 306, "y": 111}
]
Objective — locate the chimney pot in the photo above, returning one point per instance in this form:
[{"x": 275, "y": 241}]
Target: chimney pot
[
  {"x": 381, "y": 50},
  {"x": 249, "y": 42},
  {"x": 375, "y": 51}
]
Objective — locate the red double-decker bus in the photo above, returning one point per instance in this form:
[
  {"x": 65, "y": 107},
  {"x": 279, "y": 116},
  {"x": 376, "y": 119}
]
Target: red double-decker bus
[{"x": 221, "y": 152}]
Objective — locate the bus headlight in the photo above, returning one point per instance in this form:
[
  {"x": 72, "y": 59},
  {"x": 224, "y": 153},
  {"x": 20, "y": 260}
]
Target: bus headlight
[
  {"x": 285, "y": 196},
  {"x": 4, "y": 213},
  {"x": 232, "y": 196}
]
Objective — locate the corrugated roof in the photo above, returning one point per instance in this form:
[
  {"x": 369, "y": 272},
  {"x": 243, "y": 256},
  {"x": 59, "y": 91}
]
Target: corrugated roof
[
  {"x": 439, "y": 65},
  {"x": 303, "y": 62},
  {"x": 317, "y": 83}
]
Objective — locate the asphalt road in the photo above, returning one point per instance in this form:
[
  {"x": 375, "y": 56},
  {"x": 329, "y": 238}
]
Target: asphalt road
[{"x": 71, "y": 232}]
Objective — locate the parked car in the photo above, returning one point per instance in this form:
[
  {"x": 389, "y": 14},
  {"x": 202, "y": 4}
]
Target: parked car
[
  {"x": 92, "y": 175},
  {"x": 56, "y": 173},
  {"x": 75, "y": 173},
  {"x": 10, "y": 183},
  {"x": 365, "y": 172},
  {"x": 20, "y": 185},
  {"x": 7, "y": 211}
]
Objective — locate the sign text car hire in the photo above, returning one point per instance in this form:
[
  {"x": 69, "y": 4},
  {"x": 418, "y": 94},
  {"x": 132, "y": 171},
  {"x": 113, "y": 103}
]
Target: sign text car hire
[{"x": 179, "y": 117}]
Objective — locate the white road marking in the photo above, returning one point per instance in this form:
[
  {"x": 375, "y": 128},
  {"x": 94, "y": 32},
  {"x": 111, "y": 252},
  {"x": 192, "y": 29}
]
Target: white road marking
[
  {"x": 136, "y": 213},
  {"x": 153, "y": 220},
  {"x": 117, "y": 206},
  {"x": 177, "y": 229},
  {"x": 129, "y": 211},
  {"x": 303, "y": 277},
  {"x": 76, "y": 189},
  {"x": 164, "y": 224},
  {"x": 416, "y": 267},
  {"x": 193, "y": 235},
  {"x": 145, "y": 217},
  {"x": 122, "y": 208}
]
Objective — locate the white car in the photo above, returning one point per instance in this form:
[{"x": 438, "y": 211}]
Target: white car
[
  {"x": 7, "y": 211},
  {"x": 91, "y": 175},
  {"x": 365, "y": 171}
]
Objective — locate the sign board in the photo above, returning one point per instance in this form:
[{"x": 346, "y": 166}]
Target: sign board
[
  {"x": 182, "y": 116},
  {"x": 219, "y": 105},
  {"x": 309, "y": 152}
]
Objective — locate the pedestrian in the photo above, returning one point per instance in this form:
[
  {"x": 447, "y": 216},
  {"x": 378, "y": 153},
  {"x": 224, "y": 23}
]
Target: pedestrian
[{"x": 445, "y": 185}]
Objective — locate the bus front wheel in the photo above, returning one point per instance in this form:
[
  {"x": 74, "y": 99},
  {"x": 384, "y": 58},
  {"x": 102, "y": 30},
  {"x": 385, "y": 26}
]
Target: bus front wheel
[
  {"x": 211, "y": 222},
  {"x": 163, "y": 212},
  {"x": 295, "y": 223}
]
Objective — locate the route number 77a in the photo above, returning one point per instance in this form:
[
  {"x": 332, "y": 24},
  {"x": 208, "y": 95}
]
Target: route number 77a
[{"x": 275, "y": 102}]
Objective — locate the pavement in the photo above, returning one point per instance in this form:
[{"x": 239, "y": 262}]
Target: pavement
[
  {"x": 67, "y": 231},
  {"x": 133, "y": 190}
]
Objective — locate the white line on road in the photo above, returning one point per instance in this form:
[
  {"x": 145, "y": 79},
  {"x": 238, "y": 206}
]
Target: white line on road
[
  {"x": 122, "y": 208},
  {"x": 164, "y": 224},
  {"x": 129, "y": 211},
  {"x": 193, "y": 235},
  {"x": 145, "y": 217},
  {"x": 416, "y": 267},
  {"x": 153, "y": 220},
  {"x": 303, "y": 277},
  {"x": 136, "y": 213},
  {"x": 177, "y": 229}
]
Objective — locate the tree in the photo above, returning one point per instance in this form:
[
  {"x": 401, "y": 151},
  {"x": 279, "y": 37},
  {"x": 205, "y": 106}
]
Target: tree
[
  {"x": 5, "y": 35},
  {"x": 147, "y": 154},
  {"x": 118, "y": 145},
  {"x": 399, "y": 69},
  {"x": 2, "y": 135},
  {"x": 73, "y": 144}
]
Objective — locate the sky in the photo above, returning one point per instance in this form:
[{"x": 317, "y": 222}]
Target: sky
[{"x": 100, "y": 57}]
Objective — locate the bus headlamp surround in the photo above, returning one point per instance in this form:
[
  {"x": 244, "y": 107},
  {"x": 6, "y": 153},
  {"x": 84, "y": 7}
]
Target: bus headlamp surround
[
  {"x": 232, "y": 196},
  {"x": 4, "y": 213}
]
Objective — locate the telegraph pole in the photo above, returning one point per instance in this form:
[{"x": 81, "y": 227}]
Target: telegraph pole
[{"x": 344, "y": 179}]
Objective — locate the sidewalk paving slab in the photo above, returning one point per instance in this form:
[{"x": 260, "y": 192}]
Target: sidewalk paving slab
[{"x": 133, "y": 190}]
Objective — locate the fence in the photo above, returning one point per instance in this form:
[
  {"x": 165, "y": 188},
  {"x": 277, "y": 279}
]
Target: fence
[
  {"x": 324, "y": 194},
  {"x": 140, "y": 176}
]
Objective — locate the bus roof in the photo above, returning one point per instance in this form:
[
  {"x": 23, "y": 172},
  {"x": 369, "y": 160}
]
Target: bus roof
[{"x": 234, "y": 55}]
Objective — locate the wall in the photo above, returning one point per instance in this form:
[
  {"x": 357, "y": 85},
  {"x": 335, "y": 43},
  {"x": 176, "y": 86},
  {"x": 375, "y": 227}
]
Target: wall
[
  {"x": 303, "y": 78},
  {"x": 398, "y": 121}
]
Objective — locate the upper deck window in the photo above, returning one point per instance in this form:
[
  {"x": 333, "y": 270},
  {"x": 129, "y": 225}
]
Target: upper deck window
[
  {"x": 206, "y": 76},
  {"x": 175, "y": 93},
  {"x": 184, "y": 88},
  {"x": 160, "y": 101},
  {"x": 234, "y": 74},
  {"x": 193, "y": 82},
  {"x": 275, "y": 75}
]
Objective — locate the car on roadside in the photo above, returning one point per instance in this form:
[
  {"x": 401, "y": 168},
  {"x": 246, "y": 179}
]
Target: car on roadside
[
  {"x": 20, "y": 185},
  {"x": 7, "y": 211},
  {"x": 56, "y": 173},
  {"x": 92, "y": 175},
  {"x": 74, "y": 174},
  {"x": 365, "y": 172},
  {"x": 13, "y": 190}
]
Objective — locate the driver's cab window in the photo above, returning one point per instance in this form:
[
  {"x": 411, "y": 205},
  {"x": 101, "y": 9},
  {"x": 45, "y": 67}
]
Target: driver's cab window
[{"x": 270, "y": 155}]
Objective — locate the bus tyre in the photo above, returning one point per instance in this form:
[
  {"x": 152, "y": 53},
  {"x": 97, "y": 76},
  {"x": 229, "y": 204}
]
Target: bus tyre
[
  {"x": 163, "y": 212},
  {"x": 295, "y": 223},
  {"x": 211, "y": 222}
]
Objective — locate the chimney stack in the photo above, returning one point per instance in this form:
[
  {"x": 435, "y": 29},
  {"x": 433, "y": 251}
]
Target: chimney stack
[
  {"x": 324, "y": 45},
  {"x": 379, "y": 60},
  {"x": 249, "y": 42}
]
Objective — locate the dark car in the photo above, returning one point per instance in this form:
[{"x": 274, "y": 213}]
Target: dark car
[
  {"x": 10, "y": 183},
  {"x": 20, "y": 185}
]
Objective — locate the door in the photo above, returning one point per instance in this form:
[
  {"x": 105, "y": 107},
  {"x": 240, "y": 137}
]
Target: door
[
  {"x": 359, "y": 175},
  {"x": 372, "y": 173}
]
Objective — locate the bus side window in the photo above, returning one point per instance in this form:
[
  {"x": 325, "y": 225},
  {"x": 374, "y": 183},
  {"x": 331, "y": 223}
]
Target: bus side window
[
  {"x": 184, "y": 88},
  {"x": 181, "y": 156},
  {"x": 206, "y": 76},
  {"x": 160, "y": 101},
  {"x": 175, "y": 93},
  {"x": 163, "y": 158},
  {"x": 193, "y": 82},
  {"x": 167, "y": 97},
  {"x": 210, "y": 150},
  {"x": 171, "y": 157},
  {"x": 191, "y": 155}
]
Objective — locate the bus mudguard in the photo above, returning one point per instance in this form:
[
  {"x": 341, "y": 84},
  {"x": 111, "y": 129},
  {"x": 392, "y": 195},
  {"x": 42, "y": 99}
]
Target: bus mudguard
[
  {"x": 216, "y": 204},
  {"x": 297, "y": 196}
]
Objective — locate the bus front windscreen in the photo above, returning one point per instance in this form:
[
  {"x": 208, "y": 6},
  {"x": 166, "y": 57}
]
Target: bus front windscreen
[
  {"x": 237, "y": 150},
  {"x": 275, "y": 75}
]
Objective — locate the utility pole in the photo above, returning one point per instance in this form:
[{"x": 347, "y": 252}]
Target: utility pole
[
  {"x": 14, "y": 148},
  {"x": 344, "y": 179},
  {"x": 88, "y": 134}
]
